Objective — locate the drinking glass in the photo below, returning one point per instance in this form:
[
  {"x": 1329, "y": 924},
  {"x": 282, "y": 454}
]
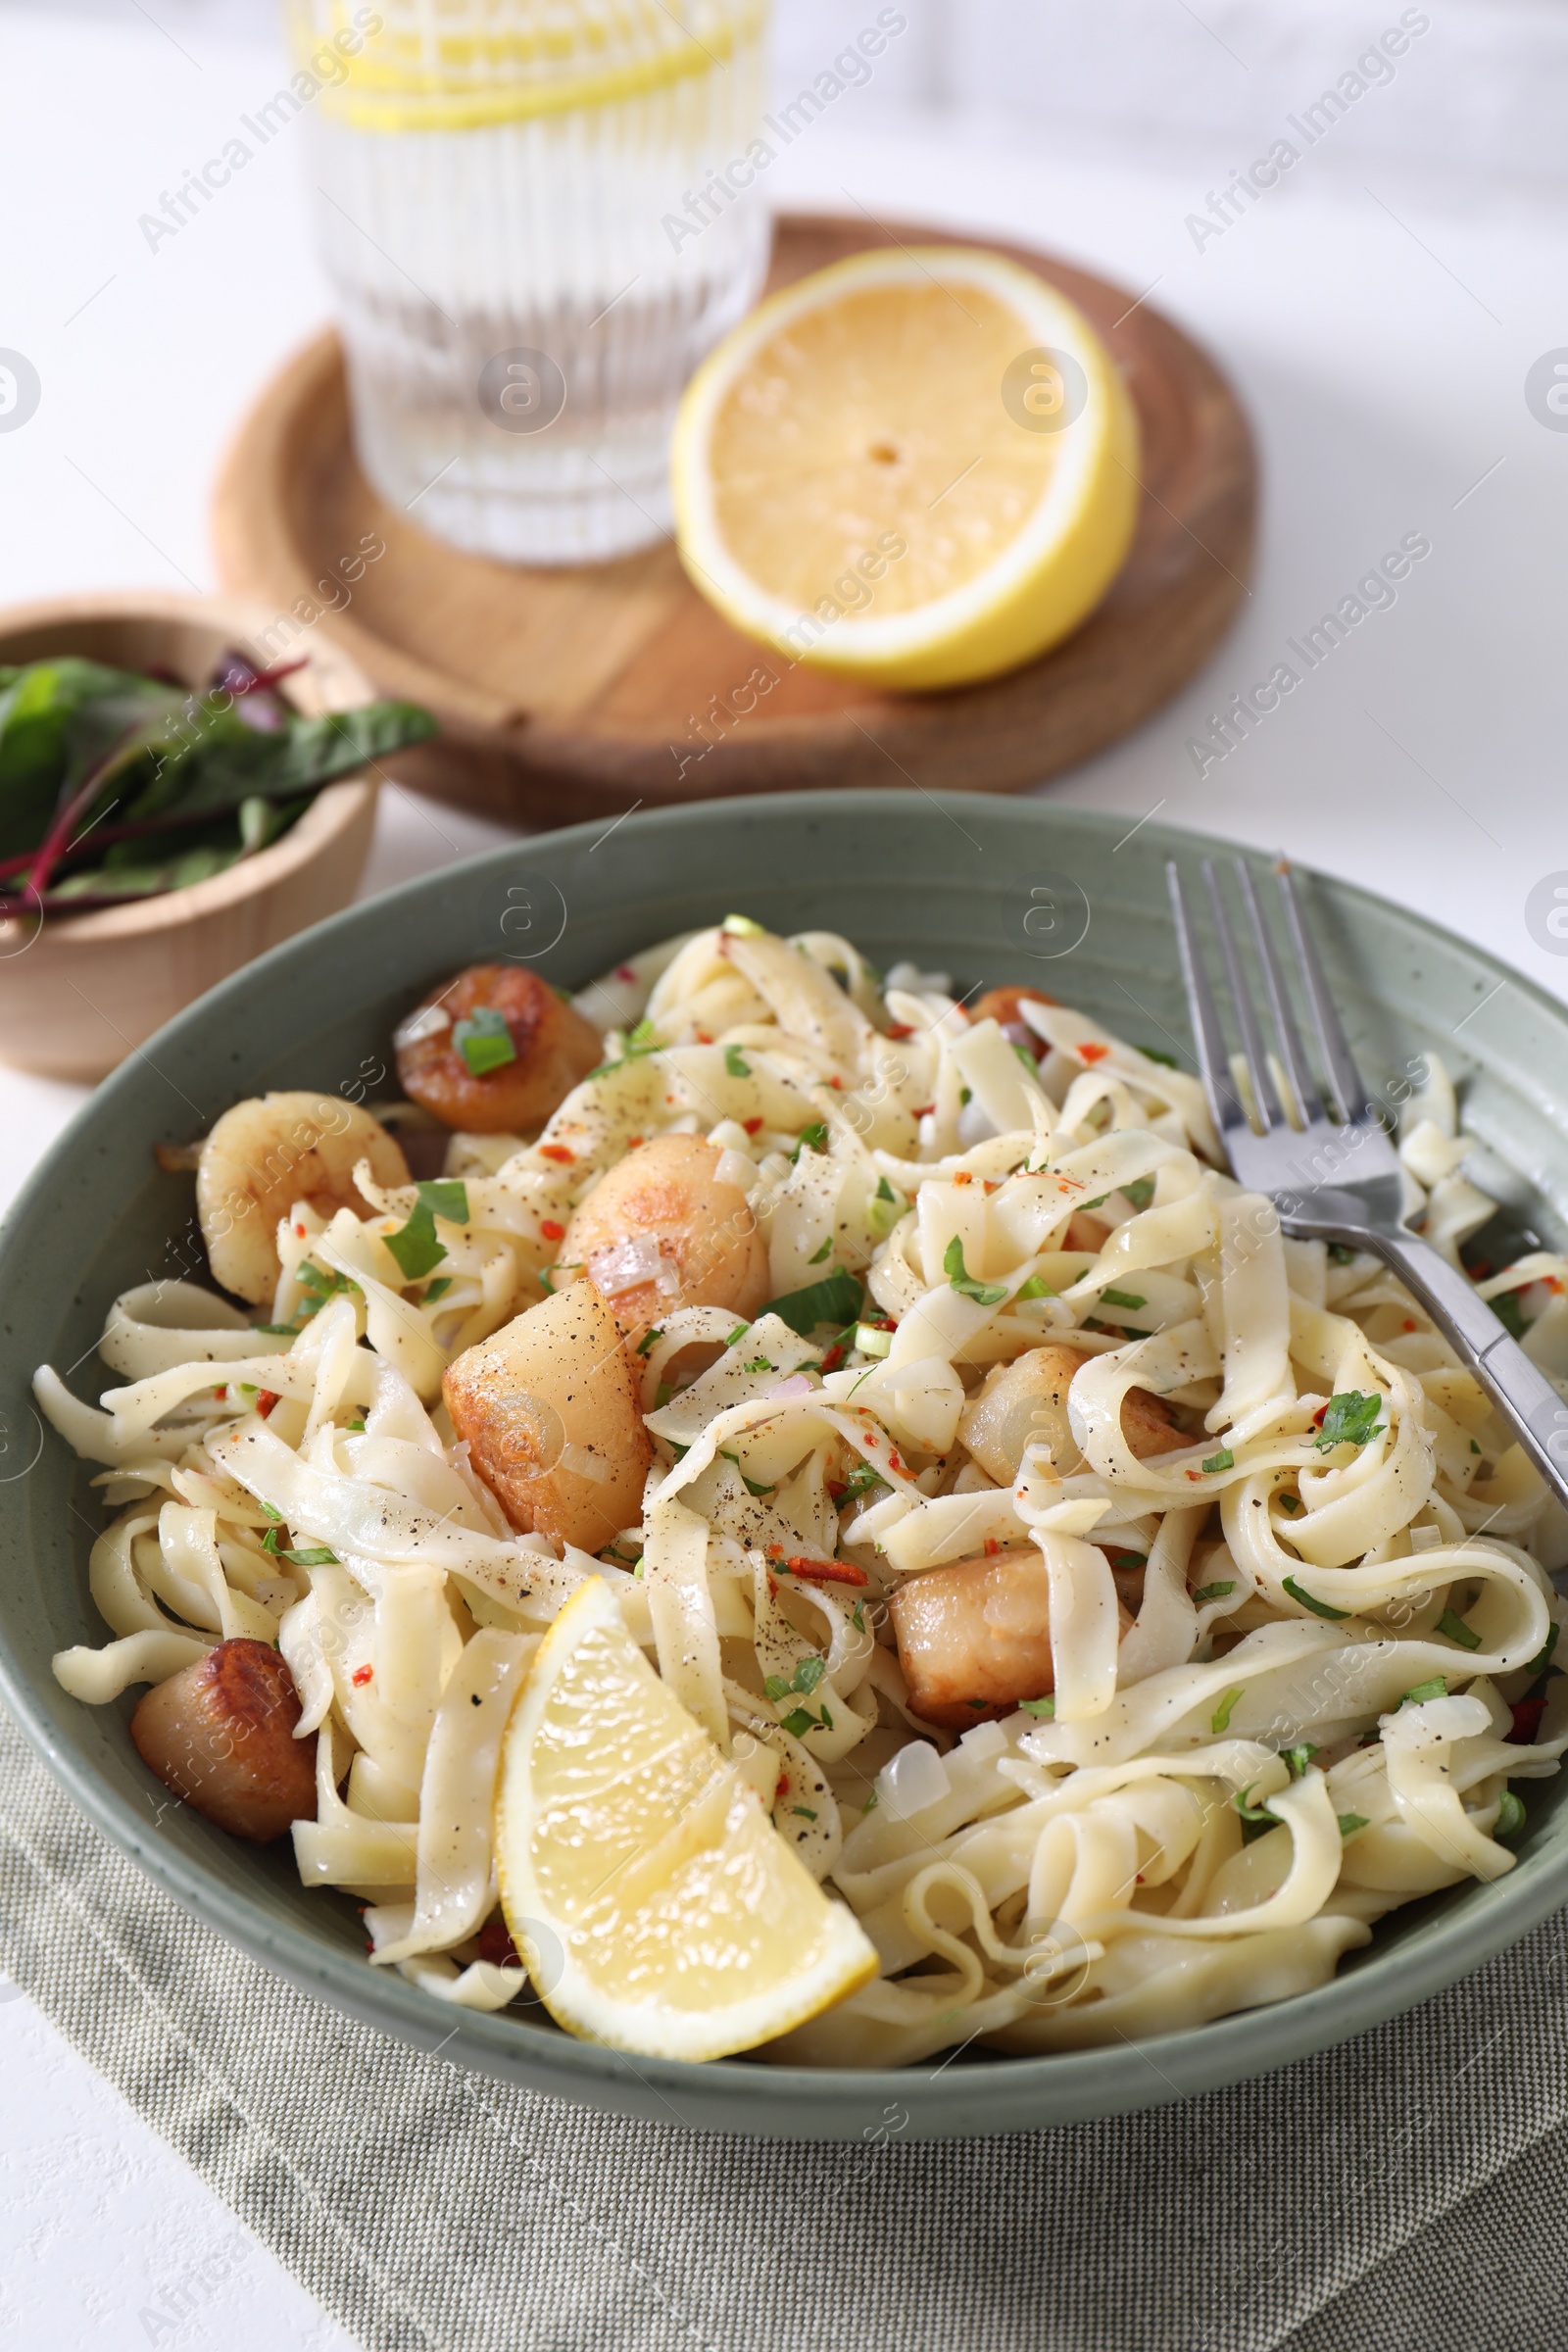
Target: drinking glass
[{"x": 538, "y": 216}]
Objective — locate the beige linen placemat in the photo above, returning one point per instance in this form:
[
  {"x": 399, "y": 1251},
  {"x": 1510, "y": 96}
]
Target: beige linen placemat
[{"x": 1403, "y": 2193}]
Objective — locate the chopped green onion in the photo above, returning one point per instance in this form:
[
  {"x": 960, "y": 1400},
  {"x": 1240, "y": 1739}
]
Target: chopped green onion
[
  {"x": 811, "y": 1139},
  {"x": 1437, "y": 1687},
  {"x": 1044, "y": 1708},
  {"x": 871, "y": 1802},
  {"x": 649, "y": 1337},
  {"x": 1214, "y": 1592},
  {"x": 871, "y": 1340},
  {"x": 798, "y": 1722},
  {"x": 1129, "y": 1299},
  {"x": 820, "y": 1256},
  {"x": 1511, "y": 1816},
  {"x": 320, "y": 1557},
  {"x": 1035, "y": 1287},
  {"x": 884, "y": 1208},
  {"x": 741, "y": 926},
  {"x": 1349, "y": 1823},
  {"x": 1509, "y": 1311},
  {"x": 270, "y": 1513},
  {"x": 804, "y": 1812},
  {"x": 1223, "y": 1712},
  {"x": 1140, "y": 1191},
  {"x": 1223, "y": 1460},
  {"x": 484, "y": 1039},
  {"x": 1299, "y": 1756},
  {"x": 437, "y": 1289}
]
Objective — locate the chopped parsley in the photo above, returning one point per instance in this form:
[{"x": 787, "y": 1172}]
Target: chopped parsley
[
  {"x": 484, "y": 1039},
  {"x": 1349, "y": 1823},
  {"x": 871, "y": 1802},
  {"x": 1319, "y": 1608},
  {"x": 820, "y": 1256},
  {"x": 640, "y": 1039},
  {"x": 356, "y": 1424},
  {"x": 983, "y": 1294},
  {"x": 800, "y": 1720},
  {"x": 1223, "y": 1712},
  {"x": 269, "y": 1541},
  {"x": 1341, "y": 1256},
  {"x": 1035, "y": 1287},
  {"x": 966, "y": 1097},
  {"x": 1299, "y": 1757},
  {"x": 749, "y": 1484},
  {"x": 1455, "y": 1626},
  {"x": 736, "y": 1063},
  {"x": 437, "y": 1289},
  {"x": 1026, "y": 1057},
  {"x": 759, "y": 1363},
  {"x": 276, "y": 1516},
  {"x": 1223, "y": 1460},
  {"x": 319, "y": 1557},
  {"x": 857, "y": 1616},
  {"x": 1437, "y": 1687},
  {"x": 1044, "y": 1708},
  {"x": 804, "y": 1812},
  {"x": 811, "y": 1139},
  {"x": 1140, "y": 1191},
  {"x": 1214, "y": 1592},
  {"x": 1349, "y": 1419},
  {"x": 650, "y": 1337},
  {"x": 1511, "y": 1816},
  {"x": 1290, "y": 1503},
  {"x": 1157, "y": 1053},
  {"x": 1122, "y": 1299},
  {"x": 835, "y": 1299}
]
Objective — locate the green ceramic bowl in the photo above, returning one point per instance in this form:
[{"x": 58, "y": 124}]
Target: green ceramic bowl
[{"x": 996, "y": 890}]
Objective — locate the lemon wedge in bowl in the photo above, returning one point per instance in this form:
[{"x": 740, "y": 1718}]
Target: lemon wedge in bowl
[
  {"x": 659, "y": 1909},
  {"x": 919, "y": 467}
]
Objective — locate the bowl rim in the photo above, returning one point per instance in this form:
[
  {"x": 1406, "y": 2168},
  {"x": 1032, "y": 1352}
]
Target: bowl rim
[
  {"x": 742, "y": 2094},
  {"x": 339, "y": 683}
]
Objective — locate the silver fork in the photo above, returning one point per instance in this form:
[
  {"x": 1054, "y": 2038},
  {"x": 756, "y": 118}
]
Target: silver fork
[{"x": 1334, "y": 1177}]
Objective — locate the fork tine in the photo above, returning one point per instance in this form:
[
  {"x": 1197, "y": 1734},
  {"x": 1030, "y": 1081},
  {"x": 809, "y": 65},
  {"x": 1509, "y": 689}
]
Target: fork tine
[
  {"x": 1207, "y": 1035},
  {"x": 1267, "y": 1101},
  {"x": 1302, "y": 1082},
  {"x": 1337, "y": 1059}
]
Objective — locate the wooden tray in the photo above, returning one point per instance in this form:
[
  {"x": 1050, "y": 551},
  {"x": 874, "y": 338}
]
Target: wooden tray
[{"x": 570, "y": 692}]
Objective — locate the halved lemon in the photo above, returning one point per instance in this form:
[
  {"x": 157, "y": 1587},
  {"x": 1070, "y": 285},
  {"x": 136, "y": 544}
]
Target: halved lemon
[
  {"x": 658, "y": 1907},
  {"x": 917, "y": 467}
]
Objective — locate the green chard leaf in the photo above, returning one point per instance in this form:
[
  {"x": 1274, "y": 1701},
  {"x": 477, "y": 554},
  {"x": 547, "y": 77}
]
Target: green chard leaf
[
  {"x": 1349, "y": 1419},
  {"x": 835, "y": 1299},
  {"x": 983, "y": 1294},
  {"x": 1319, "y": 1608},
  {"x": 1455, "y": 1626}
]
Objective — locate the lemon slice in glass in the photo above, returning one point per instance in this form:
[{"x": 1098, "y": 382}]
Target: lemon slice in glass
[
  {"x": 917, "y": 467},
  {"x": 658, "y": 1907}
]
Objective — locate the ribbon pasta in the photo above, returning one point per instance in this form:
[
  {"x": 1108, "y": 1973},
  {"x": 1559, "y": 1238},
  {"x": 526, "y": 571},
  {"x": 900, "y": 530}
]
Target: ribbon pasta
[{"x": 1297, "y": 1651}]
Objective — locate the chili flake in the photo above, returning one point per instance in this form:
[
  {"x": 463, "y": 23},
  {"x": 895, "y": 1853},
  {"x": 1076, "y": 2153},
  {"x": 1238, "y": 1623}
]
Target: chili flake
[
  {"x": 556, "y": 1151},
  {"x": 360, "y": 1676},
  {"x": 265, "y": 1401},
  {"x": 552, "y": 1230},
  {"x": 752, "y": 1126}
]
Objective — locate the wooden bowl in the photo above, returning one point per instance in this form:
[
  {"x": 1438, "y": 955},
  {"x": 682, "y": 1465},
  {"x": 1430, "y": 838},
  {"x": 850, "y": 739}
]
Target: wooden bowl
[
  {"x": 571, "y": 692},
  {"x": 78, "y": 992}
]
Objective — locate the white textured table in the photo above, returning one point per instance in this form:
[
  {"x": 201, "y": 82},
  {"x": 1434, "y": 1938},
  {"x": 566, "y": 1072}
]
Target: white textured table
[{"x": 1384, "y": 347}]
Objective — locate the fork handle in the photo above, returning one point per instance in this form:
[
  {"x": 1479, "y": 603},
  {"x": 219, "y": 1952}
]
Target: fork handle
[{"x": 1518, "y": 1387}]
